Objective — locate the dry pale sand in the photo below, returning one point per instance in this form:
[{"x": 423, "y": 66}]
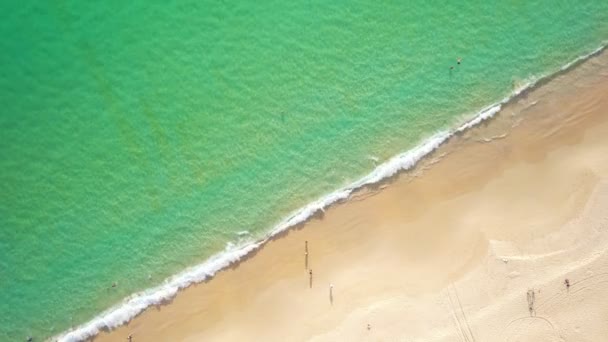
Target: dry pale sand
[{"x": 451, "y": 251}]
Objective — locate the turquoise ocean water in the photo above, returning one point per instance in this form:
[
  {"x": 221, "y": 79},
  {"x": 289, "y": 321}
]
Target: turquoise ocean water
[{"x": 137, "y": 139}]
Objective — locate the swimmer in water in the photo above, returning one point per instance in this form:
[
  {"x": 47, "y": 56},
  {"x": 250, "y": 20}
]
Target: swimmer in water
[{"x": 458, "y": 60}]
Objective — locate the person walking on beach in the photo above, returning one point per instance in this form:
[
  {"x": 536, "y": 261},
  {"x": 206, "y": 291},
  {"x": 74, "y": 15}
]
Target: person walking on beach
[
  {"x": 531, "y": 300},
  {"x": 310, "y": 278},
  {"x": 130, "y": 338},
  {"x": 331, "y": 294},
  {"x": 567, "y": 283},
  {"x": 305, "y": 255}
]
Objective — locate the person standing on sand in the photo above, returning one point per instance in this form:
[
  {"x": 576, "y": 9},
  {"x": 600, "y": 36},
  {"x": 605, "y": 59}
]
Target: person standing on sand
[
  {"x": 310, "y": 278},
  {"x": 531, "y": 300},
  {"x": 331, "y": 294},
  {"x": 305, "y": 255},
  {"x": 130, "y": 338}
]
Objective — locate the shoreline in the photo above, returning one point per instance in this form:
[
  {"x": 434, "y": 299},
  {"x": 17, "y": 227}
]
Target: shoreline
[
  {"x": 511, "y": 206},
  {"x": 383, "y": 174}
]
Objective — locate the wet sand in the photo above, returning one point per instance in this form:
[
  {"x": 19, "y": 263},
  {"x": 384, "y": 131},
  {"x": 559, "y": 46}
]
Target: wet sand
[{"x": 458, "y": 249}]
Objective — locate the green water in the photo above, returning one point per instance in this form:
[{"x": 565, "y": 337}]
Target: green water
[{"x": 137, "y": 140}]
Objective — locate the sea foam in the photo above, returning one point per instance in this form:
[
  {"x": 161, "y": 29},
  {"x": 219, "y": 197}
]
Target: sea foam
[{"x": 138, "y": 302}]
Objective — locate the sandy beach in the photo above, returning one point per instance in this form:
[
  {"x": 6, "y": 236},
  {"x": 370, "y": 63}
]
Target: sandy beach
[{"x": 474, "y": 244}]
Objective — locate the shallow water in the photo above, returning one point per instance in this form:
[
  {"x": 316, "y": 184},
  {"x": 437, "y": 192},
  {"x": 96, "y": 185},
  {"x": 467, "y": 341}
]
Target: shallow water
[{"x": 139, "y": 140}]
